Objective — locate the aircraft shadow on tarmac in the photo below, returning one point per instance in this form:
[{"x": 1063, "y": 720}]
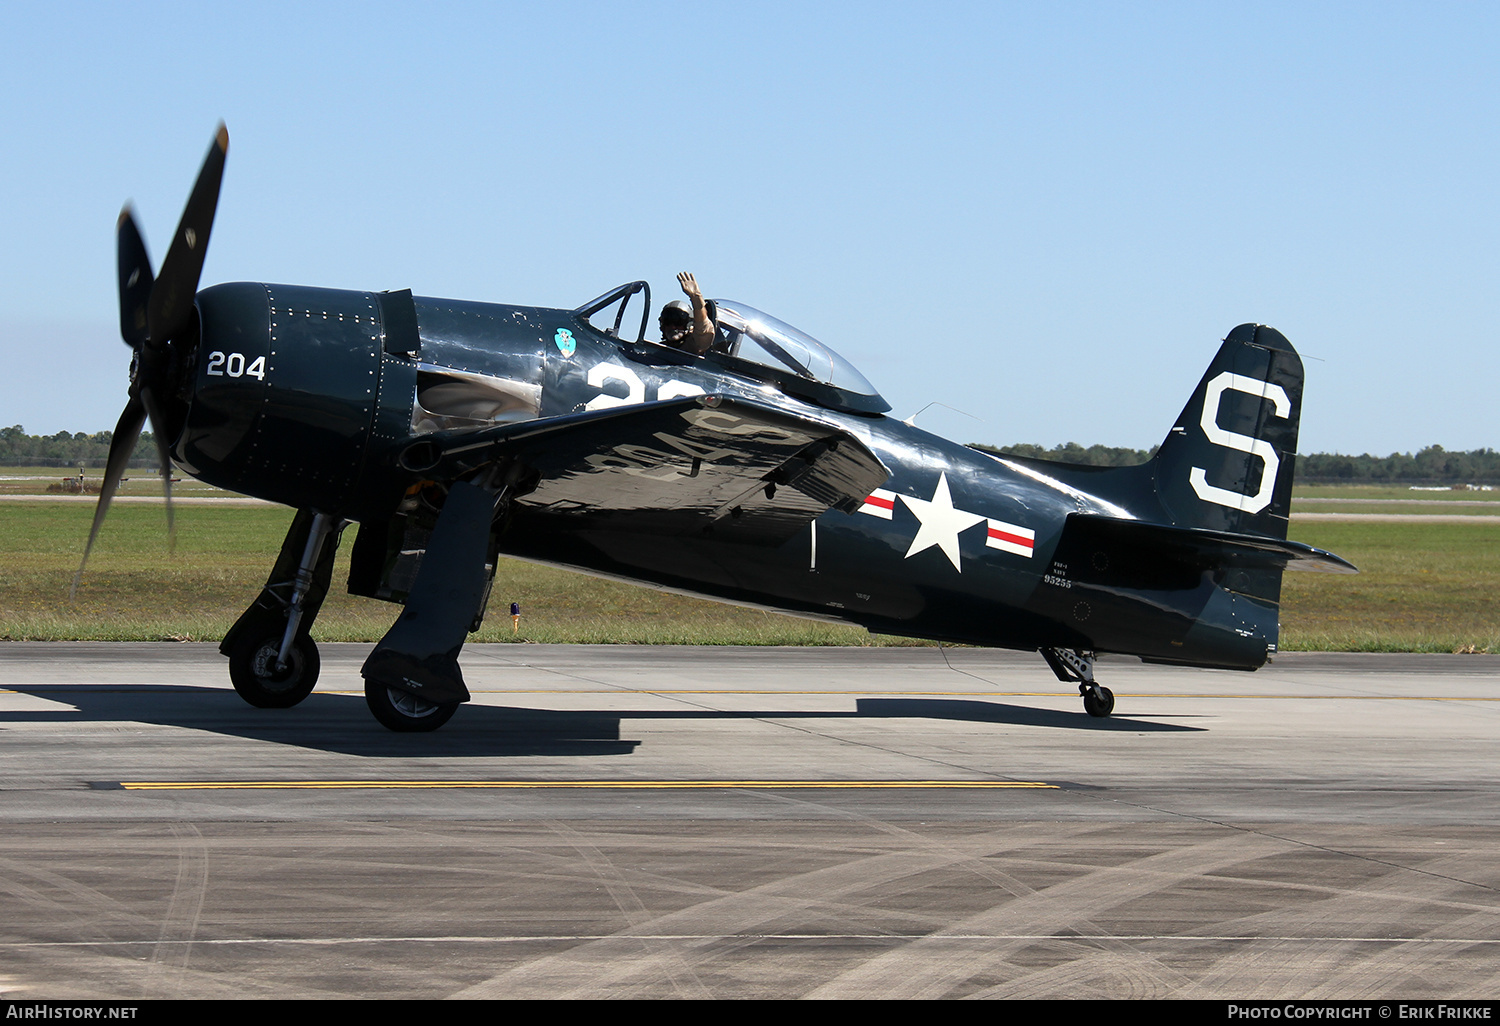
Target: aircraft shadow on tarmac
[{"x": 340, "y": 723}]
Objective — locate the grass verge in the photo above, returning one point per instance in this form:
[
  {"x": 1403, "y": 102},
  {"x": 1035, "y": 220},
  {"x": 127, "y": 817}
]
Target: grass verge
[{"x": 1424, "y": 588}]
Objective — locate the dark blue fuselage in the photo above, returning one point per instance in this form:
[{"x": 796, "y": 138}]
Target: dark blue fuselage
[{"x": 957, "y": 545}]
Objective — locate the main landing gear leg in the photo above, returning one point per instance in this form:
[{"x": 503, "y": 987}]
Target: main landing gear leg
[
  {"x": 273, "y": 662},
  {"x": 412, "y": 678},
  {"x": 1074, "y": 665}
]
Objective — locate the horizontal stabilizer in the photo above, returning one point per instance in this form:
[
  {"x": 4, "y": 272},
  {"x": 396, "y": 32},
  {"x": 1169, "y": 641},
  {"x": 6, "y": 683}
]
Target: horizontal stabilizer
[{"x": 1208, "y": 549}]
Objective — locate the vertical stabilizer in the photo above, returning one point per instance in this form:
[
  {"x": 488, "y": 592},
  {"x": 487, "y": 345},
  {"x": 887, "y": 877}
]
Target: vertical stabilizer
[{"x": 1227, "y": 463}]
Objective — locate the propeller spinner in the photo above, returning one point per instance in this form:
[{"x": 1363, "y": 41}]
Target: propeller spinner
[{"x": 156, "y": 321}]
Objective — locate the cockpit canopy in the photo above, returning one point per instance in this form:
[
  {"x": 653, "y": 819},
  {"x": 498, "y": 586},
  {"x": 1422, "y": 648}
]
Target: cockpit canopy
[
  {"x": 753, "y": 344},
  {"x": 746, "y": 335}
]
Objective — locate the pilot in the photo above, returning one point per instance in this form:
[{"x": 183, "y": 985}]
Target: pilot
[{"x": 690, "y": 329}]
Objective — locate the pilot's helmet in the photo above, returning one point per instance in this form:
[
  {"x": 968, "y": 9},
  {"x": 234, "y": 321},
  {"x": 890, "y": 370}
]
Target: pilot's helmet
[{"x": 676, "y": 314}]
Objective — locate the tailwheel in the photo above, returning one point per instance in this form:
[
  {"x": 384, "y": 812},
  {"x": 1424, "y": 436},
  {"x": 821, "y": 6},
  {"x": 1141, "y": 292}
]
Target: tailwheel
[
  {"x": 259, "y": 681},
  {"x": 1098, "y": 700},
  {"x": 403, "y": 711}
]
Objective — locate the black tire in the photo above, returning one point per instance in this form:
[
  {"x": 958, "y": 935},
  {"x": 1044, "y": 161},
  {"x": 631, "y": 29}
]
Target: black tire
[
  {"x": 403, "y": 711},
  {"x": 1098, "y": 701},
  {"x": 252, "y": 669}
]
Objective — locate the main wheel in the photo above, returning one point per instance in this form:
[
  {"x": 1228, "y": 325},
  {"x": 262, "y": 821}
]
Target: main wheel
[
  {"x": 1098, "y": 700},
  {"x": 403, "y": 711},
  {"x": 252, "y": 669}
]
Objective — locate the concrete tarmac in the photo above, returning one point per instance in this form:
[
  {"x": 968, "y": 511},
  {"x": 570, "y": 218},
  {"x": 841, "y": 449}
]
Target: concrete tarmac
[{"x": 721, "y": 822}]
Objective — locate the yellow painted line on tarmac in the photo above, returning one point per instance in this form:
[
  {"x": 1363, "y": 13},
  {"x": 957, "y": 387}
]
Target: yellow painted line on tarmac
[
  {"x": 629, "y": 692},
  {"x": 606, "y": 785}
]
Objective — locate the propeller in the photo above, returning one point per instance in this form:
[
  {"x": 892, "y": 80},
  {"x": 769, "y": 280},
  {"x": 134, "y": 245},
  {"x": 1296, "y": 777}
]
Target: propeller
[{"x": 156, "y": 322}]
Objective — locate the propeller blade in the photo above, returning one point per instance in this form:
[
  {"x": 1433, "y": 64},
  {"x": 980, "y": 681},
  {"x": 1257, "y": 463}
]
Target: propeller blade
[
  {"x": 164, "y": 460},
  {"x": 177, "y": 285},
  {"x": 135, "y": 279},
  {"x": 120, "y": 448}
]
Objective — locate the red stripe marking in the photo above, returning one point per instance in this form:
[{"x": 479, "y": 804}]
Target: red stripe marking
[
  {"x": 1014, "y": 539},
  {"x": 889, "y": 504}
]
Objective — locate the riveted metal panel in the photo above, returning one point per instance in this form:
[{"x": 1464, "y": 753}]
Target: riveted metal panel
[{"x": 296, "y": 430}]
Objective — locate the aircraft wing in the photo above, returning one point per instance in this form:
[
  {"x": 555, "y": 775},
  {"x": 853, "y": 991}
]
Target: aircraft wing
[
  {"x": 704, "y": 465},
  {"x": 1210, "y": 549}
]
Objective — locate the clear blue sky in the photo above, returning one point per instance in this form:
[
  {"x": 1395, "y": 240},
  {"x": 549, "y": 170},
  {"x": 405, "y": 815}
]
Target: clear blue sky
[{"x": 1043, "y": 214}]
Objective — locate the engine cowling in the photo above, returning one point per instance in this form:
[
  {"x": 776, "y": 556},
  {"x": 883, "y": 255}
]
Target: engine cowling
[{"x": 293, "y": 394}]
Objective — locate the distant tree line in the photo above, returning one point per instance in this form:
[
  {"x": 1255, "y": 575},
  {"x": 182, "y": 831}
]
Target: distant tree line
[
  {"x": 1433, "y": 465},
  {"x": 67, "y": 449}
]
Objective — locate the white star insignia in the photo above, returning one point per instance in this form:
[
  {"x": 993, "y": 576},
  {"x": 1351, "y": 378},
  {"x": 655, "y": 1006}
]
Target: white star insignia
[{"x": 940, "y": 522}]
